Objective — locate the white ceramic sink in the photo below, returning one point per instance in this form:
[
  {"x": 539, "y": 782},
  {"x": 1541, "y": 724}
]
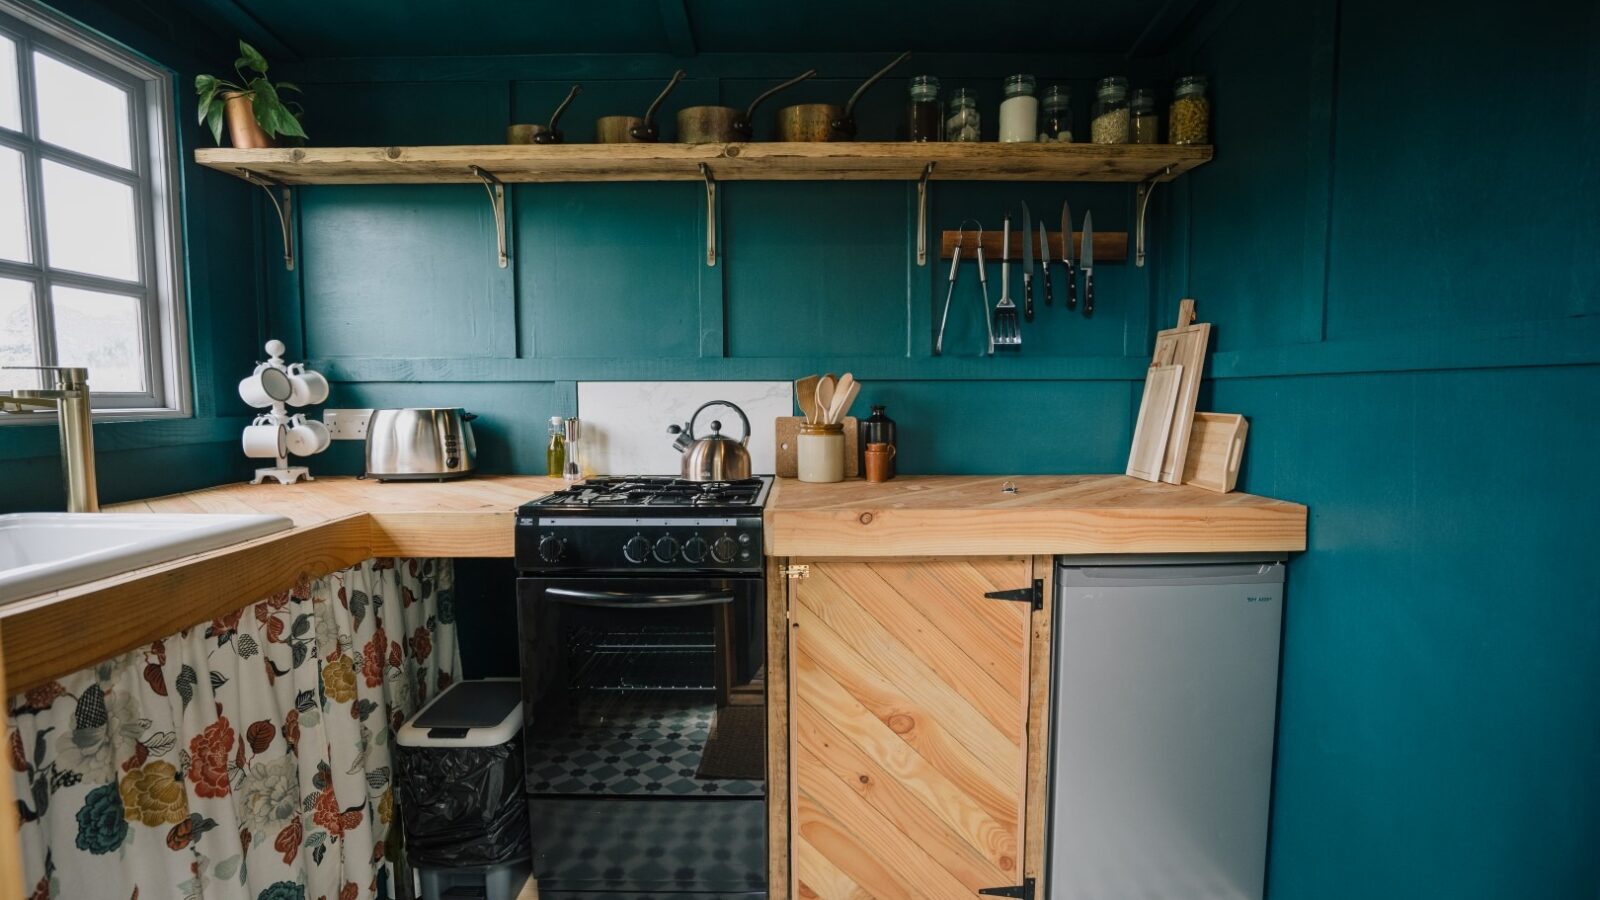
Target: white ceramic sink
[{"x": 42, "y": 552}]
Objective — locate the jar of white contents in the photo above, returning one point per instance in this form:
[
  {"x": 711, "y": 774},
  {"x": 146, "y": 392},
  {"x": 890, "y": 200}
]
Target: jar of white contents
[
  {"x": 1019, "y": 112},
  {"x": 962, "y": 123},
  {"x": 819, "y": 453},
  {"x": 1057, "y": 124},
  {"x": 1108, "y": 120}
]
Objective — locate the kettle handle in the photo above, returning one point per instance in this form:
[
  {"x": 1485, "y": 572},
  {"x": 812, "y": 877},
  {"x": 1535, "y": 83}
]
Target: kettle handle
[{"x": 744, "y": 441}]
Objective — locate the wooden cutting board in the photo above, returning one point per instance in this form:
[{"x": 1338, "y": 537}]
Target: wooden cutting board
[
  {"x": 1185, "y": 346},
  {"x": 788, "y": 428},
  {"x": 1154, "y": 424},
  {"x": 1216, "y": 448}
]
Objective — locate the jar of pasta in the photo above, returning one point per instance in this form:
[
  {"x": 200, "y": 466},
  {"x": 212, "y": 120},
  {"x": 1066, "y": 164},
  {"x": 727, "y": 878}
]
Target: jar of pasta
[{"x": 1189, "y": 119}]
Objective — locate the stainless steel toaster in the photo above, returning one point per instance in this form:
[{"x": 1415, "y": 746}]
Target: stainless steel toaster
[{"x": 420, "y": 444}]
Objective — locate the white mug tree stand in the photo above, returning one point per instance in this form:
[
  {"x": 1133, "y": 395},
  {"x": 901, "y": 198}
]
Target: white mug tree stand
[{"x": 277, "y": 434}]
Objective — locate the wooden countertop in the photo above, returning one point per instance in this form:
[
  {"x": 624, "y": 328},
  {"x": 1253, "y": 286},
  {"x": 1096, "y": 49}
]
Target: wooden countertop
[{"x": 340, "y": 522}]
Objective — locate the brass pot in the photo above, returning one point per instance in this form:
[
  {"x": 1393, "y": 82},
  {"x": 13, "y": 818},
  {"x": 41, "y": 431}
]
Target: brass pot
[
  {"x": 632, "y": 129},
  {"x": 813, "y": 122},
  {"x": 542, "y": 134},
  {"x": 722, "y": 124},
  {"x": 243, "y": 130}
]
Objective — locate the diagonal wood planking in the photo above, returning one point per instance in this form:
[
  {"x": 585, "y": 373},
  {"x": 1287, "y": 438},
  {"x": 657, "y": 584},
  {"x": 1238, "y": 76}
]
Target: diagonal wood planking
[{"x": 909, "y": 727}]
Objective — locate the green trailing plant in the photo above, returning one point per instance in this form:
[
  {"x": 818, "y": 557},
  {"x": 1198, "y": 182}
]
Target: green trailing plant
[{"x": 273, "y": 114}]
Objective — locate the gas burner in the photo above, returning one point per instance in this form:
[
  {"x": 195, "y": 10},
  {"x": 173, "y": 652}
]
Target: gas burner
[{"x": 659, "y": 492}]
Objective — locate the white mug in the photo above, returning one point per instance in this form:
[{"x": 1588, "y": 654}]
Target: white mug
[
  {"x": 310, "y": 388},
  {"x": 264, "y": 439},
  {"x": 306, "y": 437},
  {"x": 267, "y": 385}
]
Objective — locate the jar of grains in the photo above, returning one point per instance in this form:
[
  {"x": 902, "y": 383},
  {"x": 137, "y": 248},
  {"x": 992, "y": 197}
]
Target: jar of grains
[
  {"x": 1145, "y": 121},
  {"x": 1056, "y": 125},
  {"x": 1189, "y": 120},
  {"x": 1108, "y": 119},
  {"x": 962, "y": 122},
  {"x": 1019, "y": 111}
]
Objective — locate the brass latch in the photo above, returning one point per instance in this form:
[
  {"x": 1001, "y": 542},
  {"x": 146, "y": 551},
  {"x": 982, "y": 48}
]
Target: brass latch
[{"x": 799, "y": 571}]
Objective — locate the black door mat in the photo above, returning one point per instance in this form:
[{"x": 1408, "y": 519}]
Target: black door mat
[{"x": 737, "y": 746}]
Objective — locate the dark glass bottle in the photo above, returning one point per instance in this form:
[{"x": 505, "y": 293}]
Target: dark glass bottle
[{"x": 877, "y": 429}]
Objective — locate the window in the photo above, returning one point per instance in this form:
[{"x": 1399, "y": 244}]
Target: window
[{"x": 88, "y": 212}]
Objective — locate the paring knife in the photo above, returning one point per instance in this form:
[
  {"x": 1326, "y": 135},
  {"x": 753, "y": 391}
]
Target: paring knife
[
  {"x": 1066, "y": 255},
  {"x": 1044, "y": 260},
  {"x": 1086, "y": 262},
  {"x": 1027, "y": 264}
]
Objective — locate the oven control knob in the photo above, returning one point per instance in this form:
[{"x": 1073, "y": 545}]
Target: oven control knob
[
  {"x": 666, "y": 549},
  {"x": 552, "y": 548},
  {"x": 723, "y": 548},
  {"x": 636, "y": 549},
  {"x": 695, "y": 549}
]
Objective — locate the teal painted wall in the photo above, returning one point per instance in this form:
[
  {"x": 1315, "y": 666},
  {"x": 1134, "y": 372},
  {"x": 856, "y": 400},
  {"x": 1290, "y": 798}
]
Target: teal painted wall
[
  {"x": 1396, "y": 241},
  {"x": 141, "y": 459}
]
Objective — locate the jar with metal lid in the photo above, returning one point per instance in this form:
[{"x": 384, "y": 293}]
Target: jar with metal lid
[
  {"x": 1108, "y": 119},
  {"x": 1189, "y": 119},
  {"x": 1019, "y": 111},
  {"x": 1145, "y": 123},
  {"x": 819, "y": 453},
  {"x": 962, "y": 122},
  {"x": 1056, "y": 126},
  {"x": 923, "y": 116},
  {"x": 555, "y": 453}
]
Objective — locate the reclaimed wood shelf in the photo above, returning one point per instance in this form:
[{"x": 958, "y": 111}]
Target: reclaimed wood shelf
[{"x": 851, "y": 161}]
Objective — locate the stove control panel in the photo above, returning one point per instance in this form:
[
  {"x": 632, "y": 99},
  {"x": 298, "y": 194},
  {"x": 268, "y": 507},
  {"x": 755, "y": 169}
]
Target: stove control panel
[{"x": 552, "y": 543}]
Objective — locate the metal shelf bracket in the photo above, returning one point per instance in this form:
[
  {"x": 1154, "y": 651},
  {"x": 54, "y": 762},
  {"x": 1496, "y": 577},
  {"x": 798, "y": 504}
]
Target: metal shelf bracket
[
  {"x": 1142, "y": 202},
  {"x": 497, "y": 200},
  {"x": 711, "y": 214},
  {"x": 922, "y": 215},
  {"x": 284, "y": 207}
]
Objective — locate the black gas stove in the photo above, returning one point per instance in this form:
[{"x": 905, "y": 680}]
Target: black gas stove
[{"x": 644, "y": 524}]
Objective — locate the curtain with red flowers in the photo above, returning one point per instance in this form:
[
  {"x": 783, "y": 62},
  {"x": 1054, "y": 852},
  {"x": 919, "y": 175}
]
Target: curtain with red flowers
[{"x": 247, "y": 759}]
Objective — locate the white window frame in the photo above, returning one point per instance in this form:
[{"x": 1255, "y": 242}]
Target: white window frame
[{"x": 155, "y": 178}]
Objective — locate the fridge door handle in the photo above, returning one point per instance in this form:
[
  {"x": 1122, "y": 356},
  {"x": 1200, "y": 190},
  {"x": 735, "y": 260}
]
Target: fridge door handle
[{"x": 629, "y": 600}]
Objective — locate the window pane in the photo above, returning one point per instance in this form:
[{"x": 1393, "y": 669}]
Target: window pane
[
  {"x": 89, "y": 223},
  {"x": 16, "y": 334},
  {"x": 13, "y": 208},
  {"x": 10, "y": 87},
  {"x": 103, "y": 332},
  {"x": 81, "y": 112}
]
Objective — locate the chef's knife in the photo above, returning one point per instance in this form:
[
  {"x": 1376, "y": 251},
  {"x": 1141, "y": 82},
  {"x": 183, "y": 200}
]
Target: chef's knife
[
  {"x": 1027, "y": 264},
  {"x": 1086, "y": 262},
  {"x": 1044, "y": 260},
  {"x": 1066, "y": 255}
]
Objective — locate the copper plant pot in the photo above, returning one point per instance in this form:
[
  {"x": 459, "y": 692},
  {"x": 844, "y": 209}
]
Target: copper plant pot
[{"x": 243, "y": 130}]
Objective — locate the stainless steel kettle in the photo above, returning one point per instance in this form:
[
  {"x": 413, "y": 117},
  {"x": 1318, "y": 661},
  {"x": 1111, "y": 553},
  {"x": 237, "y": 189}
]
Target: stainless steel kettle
[{"x": 715, "y": 457}]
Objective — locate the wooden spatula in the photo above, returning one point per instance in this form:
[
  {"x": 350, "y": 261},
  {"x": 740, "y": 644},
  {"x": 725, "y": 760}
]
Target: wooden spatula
[
  {"x": 843, "y": 395},
  {"x": 805, "y": 394}
]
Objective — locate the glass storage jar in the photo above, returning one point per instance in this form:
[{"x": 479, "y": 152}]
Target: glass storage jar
[
  {"x": 1056, "y": 125},
  {"x": 923, "y": 117},
  {"x": 1108, "y": 119},
  {"x": 819, "y": 453},
  {"x": 1189, "y": 119},
  {"x": 962, "y": 123},
  {"x": 1019, "y": 111},
  {"x": 1145, "y": 126}
]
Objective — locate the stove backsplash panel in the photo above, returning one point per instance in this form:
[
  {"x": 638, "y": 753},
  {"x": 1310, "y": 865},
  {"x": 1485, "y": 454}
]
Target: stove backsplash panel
[{"x": 625, "y": 422}]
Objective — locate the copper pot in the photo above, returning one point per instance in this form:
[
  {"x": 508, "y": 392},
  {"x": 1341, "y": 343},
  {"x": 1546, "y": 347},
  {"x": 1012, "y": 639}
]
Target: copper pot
[
  {"x": 826, "y": 121},
  {"x": 720, "y": 124},
  {"x": 542, "y": 134},
  {"x": 632, "y": 129},
  {"x": 243, "y": 130}
]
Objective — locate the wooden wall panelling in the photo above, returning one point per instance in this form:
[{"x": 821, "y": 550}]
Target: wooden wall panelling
[
  {"x": 1040, "y": 664},
  {"x": 779, "y": 710}
]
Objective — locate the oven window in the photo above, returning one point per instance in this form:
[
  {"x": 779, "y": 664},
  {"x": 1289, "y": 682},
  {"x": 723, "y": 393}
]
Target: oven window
[{"x": 669, "y": 650}]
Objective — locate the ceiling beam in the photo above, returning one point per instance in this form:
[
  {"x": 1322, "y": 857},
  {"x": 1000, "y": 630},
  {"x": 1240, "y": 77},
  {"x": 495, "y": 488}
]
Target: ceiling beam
[
  {"x": 680, "y": 34},
  {"x": 230, "y": 16}
]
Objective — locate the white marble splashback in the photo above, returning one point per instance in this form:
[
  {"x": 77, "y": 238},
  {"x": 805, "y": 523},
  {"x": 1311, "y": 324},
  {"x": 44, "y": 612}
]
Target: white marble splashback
[{"x": 625, "y": 422}]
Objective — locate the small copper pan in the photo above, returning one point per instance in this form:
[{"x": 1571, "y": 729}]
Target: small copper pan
[
  {"x": 826, "y": 121},
  {"x": 723, "y": 124},
  {"x": 632, "y": 129},
  {"x": 542, "y": 134}
]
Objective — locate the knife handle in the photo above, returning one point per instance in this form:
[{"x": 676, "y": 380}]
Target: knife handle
[
  {"x": 1047, "y": 300},
  {"x": 1027, "y": 296},
  {"x": 1088, "y": 292},
  {"x": 1072, "y": 286}
]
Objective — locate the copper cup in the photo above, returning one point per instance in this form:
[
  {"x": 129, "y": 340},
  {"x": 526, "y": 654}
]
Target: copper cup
[{"x": 878, "y": 457}]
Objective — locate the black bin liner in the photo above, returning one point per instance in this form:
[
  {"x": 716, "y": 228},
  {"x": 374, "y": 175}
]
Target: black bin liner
[{"x": 463, "y": 806}]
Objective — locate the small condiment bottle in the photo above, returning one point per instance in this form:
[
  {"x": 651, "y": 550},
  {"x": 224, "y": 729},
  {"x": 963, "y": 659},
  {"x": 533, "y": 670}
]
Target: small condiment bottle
[
  {"x": 879, "y": 465},
  {"x": 1056, "y": 125},
  {"x": 1189, "y": 119},
  {"x": 962, "y": 123},
  {"x": 819, "y": 453},
  {"x": 1019, "y": 111},
  {"x": 555, "y": 455},
  {"x": 923, "y": 119},
  {"x": 878, "y": 428},
  {"x": 1146, "y": 123},
  {"x": 1108, "y": 119}
]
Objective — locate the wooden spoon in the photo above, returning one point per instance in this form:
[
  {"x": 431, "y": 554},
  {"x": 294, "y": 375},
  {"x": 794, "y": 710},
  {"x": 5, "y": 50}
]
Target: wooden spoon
[
  {"x": 840, "y": 391},
  {"x": 805, "y": 393},
  {"x": 825, "y": 389}
]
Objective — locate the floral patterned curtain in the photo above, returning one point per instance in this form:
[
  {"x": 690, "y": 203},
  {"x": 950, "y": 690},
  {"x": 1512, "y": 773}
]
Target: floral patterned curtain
[{"x": 248, "y": 758}]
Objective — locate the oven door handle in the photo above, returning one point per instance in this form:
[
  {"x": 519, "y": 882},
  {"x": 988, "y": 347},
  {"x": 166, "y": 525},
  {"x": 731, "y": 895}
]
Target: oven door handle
[{"x": 627, "y": 600}]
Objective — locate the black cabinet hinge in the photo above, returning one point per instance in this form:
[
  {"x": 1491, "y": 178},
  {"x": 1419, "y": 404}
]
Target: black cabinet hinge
[
  {"x": 1023, "y": 891},
  {"x": 1033, "y": 596}
]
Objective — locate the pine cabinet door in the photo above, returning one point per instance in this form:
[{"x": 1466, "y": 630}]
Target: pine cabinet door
[{"x": 908, "y": 727}]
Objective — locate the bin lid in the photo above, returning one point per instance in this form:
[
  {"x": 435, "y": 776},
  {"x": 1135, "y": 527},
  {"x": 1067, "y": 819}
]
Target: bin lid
[{"x": 468, "y": 714}]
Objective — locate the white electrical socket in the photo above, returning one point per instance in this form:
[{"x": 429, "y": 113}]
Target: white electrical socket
[{"x": 346, "y": 424}]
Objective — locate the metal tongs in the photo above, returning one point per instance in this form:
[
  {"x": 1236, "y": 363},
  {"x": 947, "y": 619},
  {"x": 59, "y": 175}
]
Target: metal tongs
[{"x": 983, "y": 280}]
